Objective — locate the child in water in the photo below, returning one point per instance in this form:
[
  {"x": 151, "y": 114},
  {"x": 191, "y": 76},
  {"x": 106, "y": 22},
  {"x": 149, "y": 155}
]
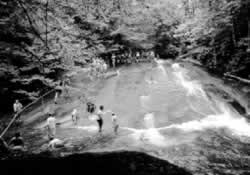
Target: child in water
[
  {"x": 74, "y": 116},
  {"x": 115, "y": 123}
]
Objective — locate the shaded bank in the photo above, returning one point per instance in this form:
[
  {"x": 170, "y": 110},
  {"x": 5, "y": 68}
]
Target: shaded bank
[{"x": 123, "y": 162}]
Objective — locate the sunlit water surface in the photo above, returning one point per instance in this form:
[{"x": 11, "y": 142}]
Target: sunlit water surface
[{"x": 163, "y": 111}]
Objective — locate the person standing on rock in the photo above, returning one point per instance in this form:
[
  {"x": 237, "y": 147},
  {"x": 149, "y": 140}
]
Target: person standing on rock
[
  {"x": 99, "y": 120},
  {"x": 17, "y": 109},
  {"x": 100, "y": 114},
  {"x": 137, "y": 57},
  {"x": 92, "y": 72},
  {"x": 65, "y": 83},
  {"x": 105, "y": 67},
  {"x": 113, "y": 60},
  {"x": 51, "y": 126}
]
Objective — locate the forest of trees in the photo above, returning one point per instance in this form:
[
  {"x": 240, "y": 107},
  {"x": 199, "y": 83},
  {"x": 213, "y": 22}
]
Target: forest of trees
[
  {"x": 41, "y": 39},
  {"x": 217, "y": 34}
]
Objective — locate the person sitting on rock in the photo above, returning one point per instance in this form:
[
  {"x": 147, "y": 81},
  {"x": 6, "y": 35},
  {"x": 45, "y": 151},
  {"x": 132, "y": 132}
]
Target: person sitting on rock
[
  {"x": 55, "y": 143},
  {"x": 17, "y": 143}
]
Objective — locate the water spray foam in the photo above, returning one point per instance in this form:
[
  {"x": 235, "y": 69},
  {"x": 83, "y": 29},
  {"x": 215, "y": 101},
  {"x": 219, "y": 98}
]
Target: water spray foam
[
  {"x": 224, "y": 116},
  {"x": 161, "y": 67}
]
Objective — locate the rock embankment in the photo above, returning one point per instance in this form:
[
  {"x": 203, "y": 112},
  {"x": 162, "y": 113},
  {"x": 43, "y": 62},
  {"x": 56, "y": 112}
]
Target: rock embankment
[{"x": 118, "y": 163}]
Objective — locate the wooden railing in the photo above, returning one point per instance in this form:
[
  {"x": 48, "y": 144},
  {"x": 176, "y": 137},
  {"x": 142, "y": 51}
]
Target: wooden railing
[{"x": 41, "y": 98}]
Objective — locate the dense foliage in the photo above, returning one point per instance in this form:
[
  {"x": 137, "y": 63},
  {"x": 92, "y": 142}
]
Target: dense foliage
[
  {"x": 40, "y": 39},
  {"x": 26, "y": 67},
  {"x": 217, "y": 34}
]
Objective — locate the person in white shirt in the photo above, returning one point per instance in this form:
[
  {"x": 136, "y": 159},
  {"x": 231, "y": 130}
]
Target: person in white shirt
[
  {"x": 74, "y": 116},
  {"x": 55, "y": 143},
  {"x": 105, "y": 67},
  {"x": 17, "y": 106},
  {"x": 137, "y": 54},
  {"x": 137, "y": 57},
  {"x": 115, "y": 123},
  {"x": 17, "y": 109},
  {"x": 51, "y": 126},
  {"x": 152, "y": 54}
]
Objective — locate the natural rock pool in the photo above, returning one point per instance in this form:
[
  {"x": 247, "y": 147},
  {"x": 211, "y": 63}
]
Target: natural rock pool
[{"x": 172, "y": 112}]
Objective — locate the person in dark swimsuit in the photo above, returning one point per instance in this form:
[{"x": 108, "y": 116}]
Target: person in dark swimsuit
[
  {"x": 91, "y": 107},
  {"x": 99, "y": 120},
  {"x": 100, "y": 114}
]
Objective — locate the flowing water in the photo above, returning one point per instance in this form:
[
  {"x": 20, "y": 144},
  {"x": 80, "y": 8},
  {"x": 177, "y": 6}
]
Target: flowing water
[{"x": 163, "y": 111}]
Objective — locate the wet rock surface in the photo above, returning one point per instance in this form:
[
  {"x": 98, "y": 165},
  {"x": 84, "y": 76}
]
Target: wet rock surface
[{"x": 187, "y": 132}]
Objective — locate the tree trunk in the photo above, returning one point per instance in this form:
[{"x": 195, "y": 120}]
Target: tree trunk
[
  {"x": 192, "y": 7},
  {"x": 215, "y": 58},
  {"x": 30, "y": 20},
  {"x": 233, "y": 33},
  {"x": 119, "y": 5},
  {"x": 186, "y": 6},
  {"x": 214, "y": 55},
  {"x": 248, "y": 34},
  {"x": 46, "y": 19}
]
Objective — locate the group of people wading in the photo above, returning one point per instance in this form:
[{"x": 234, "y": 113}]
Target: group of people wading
[
  {"x": 96, "y": 114},
  {"x": 17, "y": 142},
  {"x": 99, "y": 116},
  {"x": 93, "y": 113}
]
